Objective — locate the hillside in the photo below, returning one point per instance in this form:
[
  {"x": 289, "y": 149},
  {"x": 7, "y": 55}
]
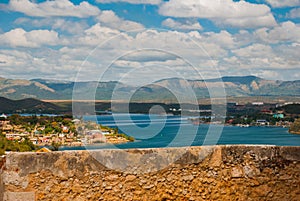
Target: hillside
[
  {"x": 28, "y": 105},
  {"x": 246, "y": 86},
  {"x": 295, "y": 127}
]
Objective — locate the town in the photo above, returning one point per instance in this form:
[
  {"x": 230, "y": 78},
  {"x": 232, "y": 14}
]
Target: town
[
  {"x": 262, "y": 114},
  {"x": 251, "y": 114},
  {"x": 55, "y": 131}
]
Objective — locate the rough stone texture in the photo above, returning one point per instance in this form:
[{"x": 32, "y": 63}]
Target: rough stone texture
[
  {"x": 196, "y": 173},
  {"x": 19, "y": 196},
  {"x": 2, "y": 164}
]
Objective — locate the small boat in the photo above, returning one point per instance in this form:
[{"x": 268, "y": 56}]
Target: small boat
[
  {"x": 243, "y": 125},
  {"x": 106, "y": 112}
]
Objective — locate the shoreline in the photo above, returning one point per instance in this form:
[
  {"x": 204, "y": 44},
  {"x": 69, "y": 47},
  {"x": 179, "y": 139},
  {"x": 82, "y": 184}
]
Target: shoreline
[{"x": 294, "y": 132}]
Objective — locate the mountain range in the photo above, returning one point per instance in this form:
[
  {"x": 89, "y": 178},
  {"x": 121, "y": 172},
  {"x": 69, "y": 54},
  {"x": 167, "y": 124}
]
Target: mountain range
[{"x": 243, "y": 86}]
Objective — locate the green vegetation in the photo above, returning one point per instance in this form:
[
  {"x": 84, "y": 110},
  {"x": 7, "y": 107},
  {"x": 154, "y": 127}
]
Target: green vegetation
[
  {"x": 295, "y": 127},
  {"x": 19, "y": 146},
  {"x": 292, "y": 108},
  {"x": 122, "y": 135},
  {"x": 55, "y": 146},
  {"x": 115, "y": 133},
  {"x": 53, "y": 131},
  {"x": 51, "y": 124},
  {"x": 250, "y": 119},
  {"x": 28, "y": 105},
  {"x": 44, "y": 130}
]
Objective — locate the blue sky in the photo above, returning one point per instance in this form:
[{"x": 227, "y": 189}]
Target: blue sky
[{"x": 114, "y": 39}]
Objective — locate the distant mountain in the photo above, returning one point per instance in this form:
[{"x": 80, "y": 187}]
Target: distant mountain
[
  {"x": 243, "y": 86},
  {"x": 237, "y": 79},
  {"x": 28, "y": 105}
]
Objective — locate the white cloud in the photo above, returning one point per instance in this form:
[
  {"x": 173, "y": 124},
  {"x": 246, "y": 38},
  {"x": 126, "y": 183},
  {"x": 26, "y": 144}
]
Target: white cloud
[
  {"x": 259, "y": 58},
  {"x": 39, "y": 63},
  {"x": 264, "y": 51},
  {"x": 267, "y": 74},
  {"x": 224, "y": 39},
  {"x": 73, "y": 27},
  {"x": 178, "y": 42},
  {"x": 53, "y": 8},
  {"x": 241, "y": 53},
  {"x": 285, "y": 32},
  {"x": 69, "y": 26},
  {"x": 182, "y": 25},
  {"x": 13, "y": 58},
  {"x": 287, "y": 74},
  {"x": 290, "y": 53},
  {"x": 283, "y": 3},
  {"x": 248, "y": 22},
  {"x": 254, "y": 51},
  {"x": 149, "y": 56},
  {"x": 36, "y": 38},
  {"x": 238, "y": 14},
  {"x": 42, "y": 37},
  {"x": 294, "y": 13},
  {"x": 110, "y": 19},
  {"x": 78, "y": 48},
  {"x": 168, "y": 46},
  {"x": 94, "y": 35},
  {"x": 152, "y": 2},
  {"x": 244, "y": 37}
]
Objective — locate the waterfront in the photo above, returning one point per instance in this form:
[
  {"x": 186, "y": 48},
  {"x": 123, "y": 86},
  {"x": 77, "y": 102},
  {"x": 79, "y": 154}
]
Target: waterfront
[{"x": 170, "y": 127}]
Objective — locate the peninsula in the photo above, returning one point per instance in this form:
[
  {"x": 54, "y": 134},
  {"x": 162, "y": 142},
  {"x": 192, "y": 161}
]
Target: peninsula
[{"x": 28, "y": 133}]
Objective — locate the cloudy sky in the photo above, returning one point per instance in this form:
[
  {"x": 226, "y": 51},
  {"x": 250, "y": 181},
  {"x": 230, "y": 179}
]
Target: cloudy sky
[{"x": 115, "y": 40}]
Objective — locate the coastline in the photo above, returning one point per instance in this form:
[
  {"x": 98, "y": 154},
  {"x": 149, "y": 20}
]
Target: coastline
[{"x": 295, "y": 132}]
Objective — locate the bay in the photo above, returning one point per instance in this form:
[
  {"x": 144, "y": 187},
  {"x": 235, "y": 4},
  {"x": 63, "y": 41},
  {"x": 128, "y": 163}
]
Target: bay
[{"x": 153, "y": 131}]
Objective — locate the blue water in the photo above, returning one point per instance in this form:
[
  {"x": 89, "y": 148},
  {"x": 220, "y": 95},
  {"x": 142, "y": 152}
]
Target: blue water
[{"x": 152, "y": 131}]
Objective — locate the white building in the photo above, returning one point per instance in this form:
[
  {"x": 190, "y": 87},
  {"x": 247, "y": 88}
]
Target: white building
[{"x": 258, "y": 103}]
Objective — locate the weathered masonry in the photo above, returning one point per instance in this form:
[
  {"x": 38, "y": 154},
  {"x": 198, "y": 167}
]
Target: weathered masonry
[{"x": 194, "y": 173}]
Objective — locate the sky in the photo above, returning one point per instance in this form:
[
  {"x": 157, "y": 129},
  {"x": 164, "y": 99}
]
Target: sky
[{"x": 142, "y": 40}]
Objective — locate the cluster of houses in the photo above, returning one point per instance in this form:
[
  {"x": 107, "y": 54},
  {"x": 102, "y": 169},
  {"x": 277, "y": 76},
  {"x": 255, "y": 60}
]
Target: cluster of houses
[
  {"x": 95, "y": 136},
  {"x": 36, "y": 136},
  {"x": 87, "y": 135},
  {"x": 270, "y": 114},
  {"x": 99, "y": 135}
]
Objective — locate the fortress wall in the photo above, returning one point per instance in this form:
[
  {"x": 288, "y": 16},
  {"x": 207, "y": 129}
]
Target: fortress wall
[{"x": 194, "y": 173}]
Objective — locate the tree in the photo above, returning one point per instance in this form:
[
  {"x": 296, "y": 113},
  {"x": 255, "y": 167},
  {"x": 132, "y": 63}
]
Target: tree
[
  {"x": 295, "y": 127},
  {"x": 9, "y": 145},
  {"x": 55, "y": 146}
]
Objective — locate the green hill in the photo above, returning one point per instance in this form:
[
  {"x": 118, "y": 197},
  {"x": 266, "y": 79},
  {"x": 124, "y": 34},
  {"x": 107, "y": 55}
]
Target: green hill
[{"x": 28, "y": 105}]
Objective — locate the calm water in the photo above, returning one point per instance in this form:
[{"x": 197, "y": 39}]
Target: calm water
[{"x": 162, "y": 131}]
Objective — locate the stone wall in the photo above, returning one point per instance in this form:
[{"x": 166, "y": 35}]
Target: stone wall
[{"x": 196, "y": 173}]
